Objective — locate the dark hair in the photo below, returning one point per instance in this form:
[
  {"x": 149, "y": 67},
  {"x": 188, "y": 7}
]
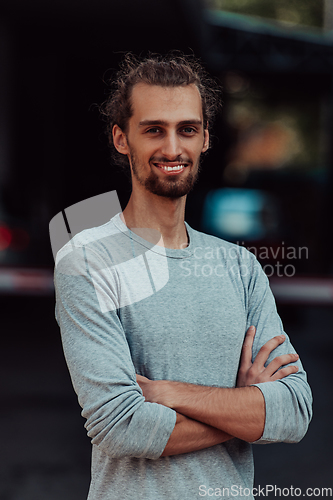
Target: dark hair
[{"x": 171, "y": 70}]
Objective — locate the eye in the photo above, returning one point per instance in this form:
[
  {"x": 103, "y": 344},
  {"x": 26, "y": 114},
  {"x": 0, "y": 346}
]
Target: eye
[
  {"x": 153, "y": 130},
  {"x": 188, "y": 130}
]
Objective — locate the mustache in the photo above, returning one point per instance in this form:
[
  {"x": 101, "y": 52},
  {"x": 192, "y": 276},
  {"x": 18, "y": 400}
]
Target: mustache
[{"x": 162, "y": 159}]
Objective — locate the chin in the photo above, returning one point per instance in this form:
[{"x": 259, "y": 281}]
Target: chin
[{"x": 170, "y": 189}]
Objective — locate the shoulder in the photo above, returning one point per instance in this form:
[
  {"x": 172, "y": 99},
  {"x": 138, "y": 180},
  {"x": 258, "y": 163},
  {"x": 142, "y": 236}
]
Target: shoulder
[
  {"x": 88, "y": 246},
  {"x": 223, "y": 248}
]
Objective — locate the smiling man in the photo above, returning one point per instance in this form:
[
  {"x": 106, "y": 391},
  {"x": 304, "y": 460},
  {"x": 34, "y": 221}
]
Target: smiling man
[
  {"x": 177, "y": 372},
  {"x": 163, "y": 141}
]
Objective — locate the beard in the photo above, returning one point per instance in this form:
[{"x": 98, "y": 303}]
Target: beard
[{"x": 169, "y": 187}]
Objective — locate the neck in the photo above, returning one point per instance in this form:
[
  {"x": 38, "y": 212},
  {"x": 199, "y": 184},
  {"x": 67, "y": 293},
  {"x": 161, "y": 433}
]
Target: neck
[{"x": 165, "y": 215}]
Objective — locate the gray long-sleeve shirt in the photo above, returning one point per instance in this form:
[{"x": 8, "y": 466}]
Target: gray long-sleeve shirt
[{"x": 127, "y": 306}]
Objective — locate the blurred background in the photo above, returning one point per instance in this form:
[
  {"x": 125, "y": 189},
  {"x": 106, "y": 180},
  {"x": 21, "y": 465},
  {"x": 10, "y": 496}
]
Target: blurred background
[{"x": 267, "y": 184}]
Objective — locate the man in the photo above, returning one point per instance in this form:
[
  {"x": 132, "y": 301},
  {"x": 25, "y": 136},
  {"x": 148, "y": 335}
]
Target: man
[{"x": 155, "y": 317}]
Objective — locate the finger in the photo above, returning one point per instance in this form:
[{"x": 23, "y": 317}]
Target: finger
[
  {"x": 280, "y": 361},
  {"x": 267, "y": 349},
  {"x": 284, "y": 372},
  {"x": 141, "y": 379},
  {"x": 246, "y": 354}
]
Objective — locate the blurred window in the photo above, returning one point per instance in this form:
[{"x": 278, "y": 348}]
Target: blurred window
[
  {"x": 291, "y": 12},
  {"x": 273, "y": 129}
]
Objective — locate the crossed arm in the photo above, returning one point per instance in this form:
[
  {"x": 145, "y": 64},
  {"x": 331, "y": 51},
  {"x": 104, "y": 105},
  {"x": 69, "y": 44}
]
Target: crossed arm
[{"x": 207, "y": 416}]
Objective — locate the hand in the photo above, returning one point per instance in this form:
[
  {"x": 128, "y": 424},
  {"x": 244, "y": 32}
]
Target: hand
[
  {"x": 155, "y": 391},
  {"x": 256, "y": 372}
]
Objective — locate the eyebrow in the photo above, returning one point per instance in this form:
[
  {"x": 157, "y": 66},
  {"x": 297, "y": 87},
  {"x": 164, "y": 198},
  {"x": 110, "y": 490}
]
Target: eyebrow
[{"x": 145, "y": 123}]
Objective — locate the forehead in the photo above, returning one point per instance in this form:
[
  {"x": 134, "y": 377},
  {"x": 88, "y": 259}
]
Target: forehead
[{"x": 153, "y": 102}]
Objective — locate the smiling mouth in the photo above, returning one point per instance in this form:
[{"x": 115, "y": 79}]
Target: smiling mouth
[{"x": 171, "y": 168}]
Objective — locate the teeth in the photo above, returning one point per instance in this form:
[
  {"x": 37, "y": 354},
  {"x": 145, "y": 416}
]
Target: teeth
[{"x": 178, "y": 167}]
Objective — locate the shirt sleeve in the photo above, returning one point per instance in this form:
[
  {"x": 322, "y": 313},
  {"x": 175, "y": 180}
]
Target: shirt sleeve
[
  {"x": 288, "y": 401},
  {"x": 118, "y": 419}
]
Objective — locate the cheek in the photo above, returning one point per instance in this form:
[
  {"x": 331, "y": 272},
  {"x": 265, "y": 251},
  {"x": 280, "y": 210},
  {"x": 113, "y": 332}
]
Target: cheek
[{"x": 200, "y": 148}]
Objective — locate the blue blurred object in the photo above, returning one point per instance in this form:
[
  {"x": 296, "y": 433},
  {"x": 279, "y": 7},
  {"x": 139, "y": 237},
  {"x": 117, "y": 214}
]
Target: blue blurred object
[{"x": 234, "y": 213}]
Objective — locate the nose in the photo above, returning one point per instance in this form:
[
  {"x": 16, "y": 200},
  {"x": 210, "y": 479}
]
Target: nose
[{"x": 171, "y": 147}]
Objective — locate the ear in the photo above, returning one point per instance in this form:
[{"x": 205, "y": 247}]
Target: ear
[
  {"x": 206, "y": 141},
  {"x": 120, "y": 140}
]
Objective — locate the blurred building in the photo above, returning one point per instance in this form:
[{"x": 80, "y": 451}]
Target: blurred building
[{"x": 271, "y": 151}]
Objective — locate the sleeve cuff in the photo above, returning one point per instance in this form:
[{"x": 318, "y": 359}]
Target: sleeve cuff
[
  {"x": 277, "y": 412},
  {"x": 159, "y": 435}
]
